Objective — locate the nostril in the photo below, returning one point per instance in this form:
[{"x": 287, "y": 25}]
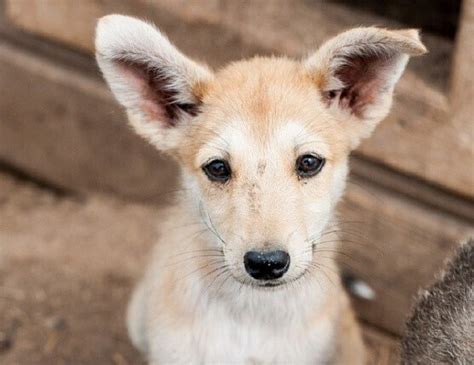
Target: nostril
[{"x": 266, "y": 265}]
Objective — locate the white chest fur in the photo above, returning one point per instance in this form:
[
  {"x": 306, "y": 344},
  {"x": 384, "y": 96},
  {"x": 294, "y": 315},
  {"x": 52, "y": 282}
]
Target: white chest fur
[
  {"x": 226, "y": 340},
  {"x": 217, "y": 338},
  {"x": 292, "y": 325}
]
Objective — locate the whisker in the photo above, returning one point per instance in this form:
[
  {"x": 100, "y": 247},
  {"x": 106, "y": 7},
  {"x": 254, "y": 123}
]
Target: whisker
[
  {"x": 211, "y": 262},
  {"x": 211, "y": 229}
]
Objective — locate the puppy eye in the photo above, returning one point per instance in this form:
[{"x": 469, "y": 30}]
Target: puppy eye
[
  {"x": 309, "y": 165},
  {"x": 217, "y": 170}
]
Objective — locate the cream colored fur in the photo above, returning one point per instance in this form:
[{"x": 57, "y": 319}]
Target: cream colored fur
[{"x": 196, "y": 303}]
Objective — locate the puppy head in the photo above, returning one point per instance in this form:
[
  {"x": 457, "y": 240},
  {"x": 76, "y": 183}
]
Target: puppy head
[{"x": 263, "y": 143}]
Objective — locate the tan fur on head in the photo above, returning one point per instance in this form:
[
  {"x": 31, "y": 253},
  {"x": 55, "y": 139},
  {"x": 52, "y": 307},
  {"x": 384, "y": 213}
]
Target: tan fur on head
[{"x": 260, "y": 116}]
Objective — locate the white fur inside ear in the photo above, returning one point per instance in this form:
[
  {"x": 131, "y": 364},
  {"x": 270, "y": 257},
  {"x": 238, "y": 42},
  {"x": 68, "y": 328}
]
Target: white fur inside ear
[{"x": 147, "y": 74}]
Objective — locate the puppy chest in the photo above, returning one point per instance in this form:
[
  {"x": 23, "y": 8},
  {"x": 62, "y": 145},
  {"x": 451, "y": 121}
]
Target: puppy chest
[{"x": 246, "y": 342}]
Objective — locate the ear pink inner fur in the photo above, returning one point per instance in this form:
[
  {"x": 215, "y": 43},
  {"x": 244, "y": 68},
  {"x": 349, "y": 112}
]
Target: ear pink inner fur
[
  {"x": 363, "y": 77},
  {"x": 156, "y": 98}
]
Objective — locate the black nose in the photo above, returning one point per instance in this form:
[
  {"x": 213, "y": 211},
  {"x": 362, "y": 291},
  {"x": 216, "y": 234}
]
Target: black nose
[{"x": 266, "y": 265}]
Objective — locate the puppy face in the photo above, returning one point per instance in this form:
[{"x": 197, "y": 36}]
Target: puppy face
[
  {"x": 263, "y": 143},
  {"x": 267, "y": 163}
]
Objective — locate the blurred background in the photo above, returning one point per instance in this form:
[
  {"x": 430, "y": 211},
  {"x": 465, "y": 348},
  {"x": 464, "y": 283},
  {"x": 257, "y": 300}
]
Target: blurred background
[{"x": 80, "y": 194}]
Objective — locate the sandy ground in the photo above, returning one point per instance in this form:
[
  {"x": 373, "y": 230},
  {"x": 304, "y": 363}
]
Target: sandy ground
[
  {"x": 67, "y": 265},
  {"x": 66, "y": 270}
]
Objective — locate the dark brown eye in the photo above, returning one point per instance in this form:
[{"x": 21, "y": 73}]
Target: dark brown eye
[
  {"x": 217, "y": 170},
  {"x": 309, "y": 165}
]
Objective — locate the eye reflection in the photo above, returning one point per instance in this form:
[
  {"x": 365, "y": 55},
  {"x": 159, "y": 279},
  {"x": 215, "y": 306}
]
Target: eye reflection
[
  {"x": 309, "y": 165},
  {"x": 217, "y": 170}
]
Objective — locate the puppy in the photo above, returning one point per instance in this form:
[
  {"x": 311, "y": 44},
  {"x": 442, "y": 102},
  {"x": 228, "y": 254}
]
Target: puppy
[{"x": 244, "y": 270}]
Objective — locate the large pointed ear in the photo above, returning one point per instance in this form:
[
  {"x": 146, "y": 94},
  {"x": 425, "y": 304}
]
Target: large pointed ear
[
  {"x": 356, "y": 73},
  {"x": 160, "y": 88}
]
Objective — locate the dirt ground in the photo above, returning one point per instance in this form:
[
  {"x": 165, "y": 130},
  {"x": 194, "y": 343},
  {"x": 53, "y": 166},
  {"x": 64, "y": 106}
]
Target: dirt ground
[
  {"x": 67, "y": 265},
  {"x": 66, "y": 269}
]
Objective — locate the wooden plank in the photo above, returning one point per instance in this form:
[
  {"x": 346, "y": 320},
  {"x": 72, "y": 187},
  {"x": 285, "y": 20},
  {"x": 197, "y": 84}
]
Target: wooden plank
[
  {"x": 382, "y": 349},
  {"x": 61, "y": 126},
  {"x": 209, "y": 39},
  {"x": 394, "y": 244},
  {"x": 462, "y": 81},
  {"x": 418, "y": 138}
]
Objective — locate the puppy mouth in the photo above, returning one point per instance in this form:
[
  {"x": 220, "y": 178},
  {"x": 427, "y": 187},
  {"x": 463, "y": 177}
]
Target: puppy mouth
[
  {"x": 270, "y": 284},
  {"x": 262, "y": 285}
]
